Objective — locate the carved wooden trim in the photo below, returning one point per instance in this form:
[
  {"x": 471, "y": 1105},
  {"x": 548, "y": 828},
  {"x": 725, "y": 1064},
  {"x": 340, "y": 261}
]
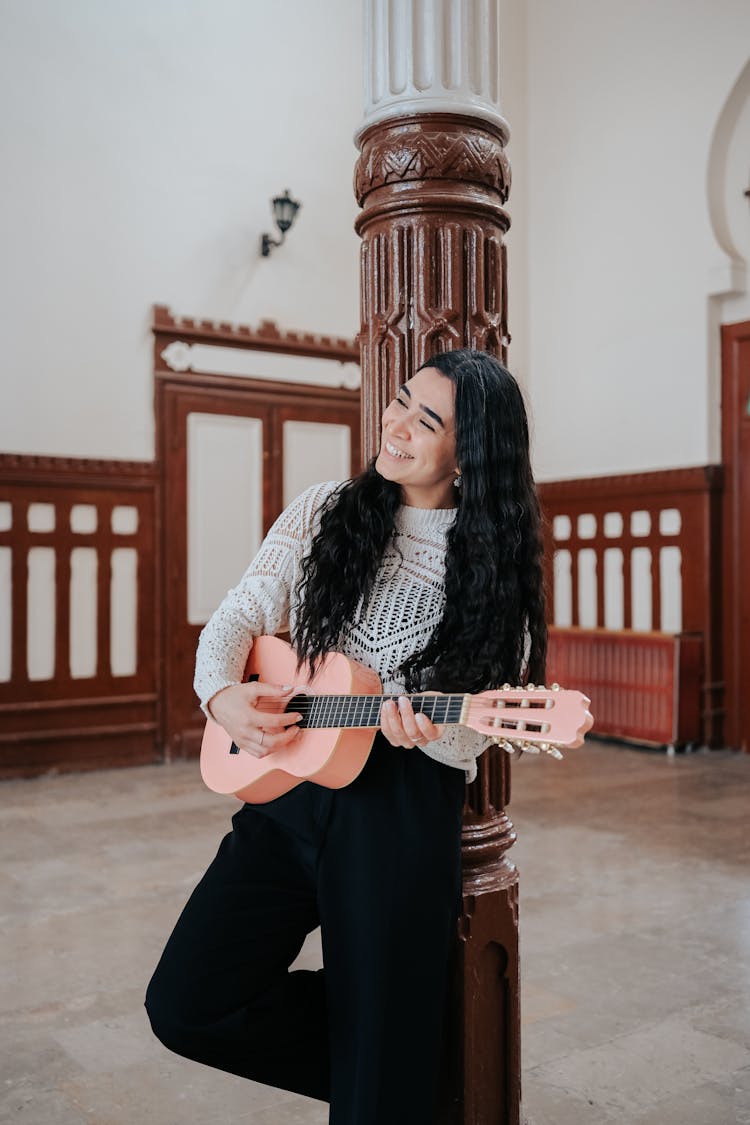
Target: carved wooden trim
[
  {"x": 444, "y": 148},
  {"x": 25, "y": 468},
  {"x": 266, "y": 337},
  {"x": 700, "y": 478},
  {"x": 267, "y": 389},
  {"x": 433, "y": 263}
]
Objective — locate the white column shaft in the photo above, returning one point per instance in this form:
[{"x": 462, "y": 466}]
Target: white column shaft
[{"x": 432, "y": 56}]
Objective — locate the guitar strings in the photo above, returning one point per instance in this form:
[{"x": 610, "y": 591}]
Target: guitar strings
[
  {"x": 449, "y": 701},
  {"x": 358, "y": 700},
  {"x": 481, "y": 700},
  {"x": 332, "y": 710}
]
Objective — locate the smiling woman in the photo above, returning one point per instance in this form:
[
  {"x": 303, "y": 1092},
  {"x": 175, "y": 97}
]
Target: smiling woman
[
  {"x": 435, "y": 588},
  {"x": 418, "y": 449}
]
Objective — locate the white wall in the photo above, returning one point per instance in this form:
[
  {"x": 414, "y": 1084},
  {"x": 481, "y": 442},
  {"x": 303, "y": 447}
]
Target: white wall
[
  {"x": 513, "y": 103},
  {"x": 623, "y": 99},
  {"x": 141, "y": 143}
]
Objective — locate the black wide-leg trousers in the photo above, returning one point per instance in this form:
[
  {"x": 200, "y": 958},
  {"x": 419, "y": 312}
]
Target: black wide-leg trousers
[{"x": 377, "y": 866}]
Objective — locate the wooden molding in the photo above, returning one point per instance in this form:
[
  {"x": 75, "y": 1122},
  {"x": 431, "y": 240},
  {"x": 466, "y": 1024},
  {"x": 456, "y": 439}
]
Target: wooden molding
[
  {"x": 432, "y": 147},
  {"x": 37, "y": 469},
  {"x": 267, "y": 337},
  {"x": 700, "y": 478}
]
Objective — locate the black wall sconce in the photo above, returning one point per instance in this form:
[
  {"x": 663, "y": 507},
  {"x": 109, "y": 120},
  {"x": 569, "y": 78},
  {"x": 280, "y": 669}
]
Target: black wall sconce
[{"x": 284, "y": 212}]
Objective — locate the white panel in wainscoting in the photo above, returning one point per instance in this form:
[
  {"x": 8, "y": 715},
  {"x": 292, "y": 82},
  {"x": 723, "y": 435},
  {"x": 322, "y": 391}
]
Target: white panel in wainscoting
[
  {"x": 6, "y": 613},
  {"x": 84, "y": 519},
  {"x": 225, "y": 506},
  {"x": 84, "y": 563},
  {"x": 614, "y": 589},
  {"x": 123, "y": 655},
  {"x": 41, "y": 517},
  {"x": 124, "y": 520},
  {"x": 670, "y": 576},
  {"x": 41, "y": 613},
  {"x": 314, "y": 451},
  {"x": 587, "y": 589},
  {"x": 640, "y": 563},
  {"x": 563, "y": 589}
]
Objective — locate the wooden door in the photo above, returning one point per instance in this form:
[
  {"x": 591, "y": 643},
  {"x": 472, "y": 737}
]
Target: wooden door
[
  {"x": 233, "y": 453},
  {"x": 735, "y": 425}
]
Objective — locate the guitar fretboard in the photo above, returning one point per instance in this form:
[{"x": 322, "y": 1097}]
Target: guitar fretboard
[{"x": 364, "y": 710}]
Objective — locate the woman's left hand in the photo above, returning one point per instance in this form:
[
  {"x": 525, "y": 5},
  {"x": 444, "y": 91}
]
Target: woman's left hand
[{"x": 402, "y": 727}]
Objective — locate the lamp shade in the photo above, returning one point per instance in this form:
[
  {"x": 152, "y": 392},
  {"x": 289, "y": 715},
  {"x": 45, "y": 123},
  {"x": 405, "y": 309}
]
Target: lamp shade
[{"x": 284, "y": 210}]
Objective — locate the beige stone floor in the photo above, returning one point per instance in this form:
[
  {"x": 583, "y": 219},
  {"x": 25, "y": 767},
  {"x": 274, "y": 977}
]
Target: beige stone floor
[{"x": 635, "y": 940}]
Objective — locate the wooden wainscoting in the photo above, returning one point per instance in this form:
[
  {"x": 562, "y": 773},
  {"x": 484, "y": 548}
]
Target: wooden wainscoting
[
  {"x": 79, "y": 614},
  {"x": 642, "y": 552},
  {"x": 644, "y": 687}
]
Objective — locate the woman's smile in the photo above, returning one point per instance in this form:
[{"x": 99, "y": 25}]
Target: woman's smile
[{"x": 398, "y": 453}]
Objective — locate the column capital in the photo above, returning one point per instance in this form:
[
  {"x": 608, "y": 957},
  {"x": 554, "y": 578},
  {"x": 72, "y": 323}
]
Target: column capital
[{"x": 432, "y": 56}]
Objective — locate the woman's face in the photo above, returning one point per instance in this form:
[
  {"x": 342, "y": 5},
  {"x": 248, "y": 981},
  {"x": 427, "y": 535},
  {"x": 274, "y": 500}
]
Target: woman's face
[{"x": 418, "y": 444}]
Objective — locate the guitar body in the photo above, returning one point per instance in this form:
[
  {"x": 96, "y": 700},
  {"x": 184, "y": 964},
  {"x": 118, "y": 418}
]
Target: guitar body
[{"x": 330, "y": 756}]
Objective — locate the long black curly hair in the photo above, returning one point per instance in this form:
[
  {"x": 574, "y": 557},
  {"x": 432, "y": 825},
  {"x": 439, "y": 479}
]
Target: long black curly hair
[{"x": 493, "y": 626}]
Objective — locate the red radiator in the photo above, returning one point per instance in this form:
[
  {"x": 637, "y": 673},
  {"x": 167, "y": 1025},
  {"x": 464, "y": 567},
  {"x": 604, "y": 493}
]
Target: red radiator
[{"x": 644, "y": 687}]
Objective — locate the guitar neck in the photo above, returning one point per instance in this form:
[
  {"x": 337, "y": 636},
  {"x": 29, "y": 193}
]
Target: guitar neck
[{"x": 364, "y": 710}]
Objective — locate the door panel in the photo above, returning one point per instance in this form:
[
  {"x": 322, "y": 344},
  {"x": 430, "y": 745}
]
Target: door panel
[
  {"x": 735, "y": 425},
  {"x": 223, "y": 535},
  {"x": 231, "y": 458},
  {"x": 315, "y": 448}
]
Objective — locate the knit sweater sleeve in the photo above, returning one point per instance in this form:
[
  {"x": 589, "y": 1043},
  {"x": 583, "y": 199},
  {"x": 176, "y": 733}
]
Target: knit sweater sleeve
[
  {"x": 259, "y": 605},
  {"x": 459, "y": 747}
]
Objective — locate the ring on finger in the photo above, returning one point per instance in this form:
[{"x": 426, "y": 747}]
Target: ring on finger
[{"x": 262, "y": 736}]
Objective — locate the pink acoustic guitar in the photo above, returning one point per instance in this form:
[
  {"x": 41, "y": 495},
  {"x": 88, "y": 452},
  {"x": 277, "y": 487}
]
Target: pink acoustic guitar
[{"x": 341, "y": 714}]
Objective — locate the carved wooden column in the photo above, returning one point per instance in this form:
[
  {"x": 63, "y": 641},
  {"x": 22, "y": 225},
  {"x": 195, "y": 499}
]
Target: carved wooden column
[{"x": 432, "y": 179}]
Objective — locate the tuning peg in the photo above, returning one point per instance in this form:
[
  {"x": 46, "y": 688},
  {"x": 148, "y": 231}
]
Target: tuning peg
[
  {"x": 530, "y": 747},
  {"x": 555, "y": 753},
  {"x": 530, "y": 687},
  {"x": 503, "y": 744},
  {"x": 506, "y": 687},
  {"x": 555, "y": 687}
]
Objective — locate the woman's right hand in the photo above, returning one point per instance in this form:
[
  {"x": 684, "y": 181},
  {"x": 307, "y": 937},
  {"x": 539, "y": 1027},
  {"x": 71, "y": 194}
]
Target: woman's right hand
[{"x": 259, "y": 731}]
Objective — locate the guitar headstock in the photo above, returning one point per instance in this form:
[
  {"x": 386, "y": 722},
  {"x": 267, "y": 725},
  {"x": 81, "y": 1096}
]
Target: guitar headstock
[{"x": 535, "y": 719}]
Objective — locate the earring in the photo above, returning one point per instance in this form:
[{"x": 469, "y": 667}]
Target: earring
[{"x": 457, "y": 482}]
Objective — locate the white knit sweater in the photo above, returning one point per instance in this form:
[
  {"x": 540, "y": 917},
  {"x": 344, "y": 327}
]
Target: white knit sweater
[{"x": 405, "y": 606}]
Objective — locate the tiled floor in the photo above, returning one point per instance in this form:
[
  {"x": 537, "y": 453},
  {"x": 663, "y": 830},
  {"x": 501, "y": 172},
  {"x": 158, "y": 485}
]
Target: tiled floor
[{"x": 635, "y": 940}]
